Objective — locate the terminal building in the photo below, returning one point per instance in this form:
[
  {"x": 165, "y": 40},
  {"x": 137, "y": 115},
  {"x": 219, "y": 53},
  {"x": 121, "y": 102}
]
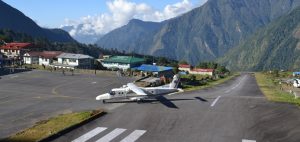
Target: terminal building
[
  {"x": 59, "y": 59},
  {"x": 122, "y": 62},
  {"x": 70, "y": 60},
  {"x": 41, "y": 58}
]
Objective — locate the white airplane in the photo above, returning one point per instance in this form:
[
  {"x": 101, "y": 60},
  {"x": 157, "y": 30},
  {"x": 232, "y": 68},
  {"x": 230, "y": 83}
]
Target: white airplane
[
  {"x": 135, "y": 93},
  {"x": 296, "y": 83}
]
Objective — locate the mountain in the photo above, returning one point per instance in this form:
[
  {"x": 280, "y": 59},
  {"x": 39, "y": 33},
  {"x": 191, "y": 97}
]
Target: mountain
[
  {"x": 15, "y": 20},
  {"x": 203, "y": 34},
  {"x": 44, "y": 44},
  {"x": 135, "y": 34},
  {"x": 277, "y": 46},
  {"x": 89, "y": 38}
]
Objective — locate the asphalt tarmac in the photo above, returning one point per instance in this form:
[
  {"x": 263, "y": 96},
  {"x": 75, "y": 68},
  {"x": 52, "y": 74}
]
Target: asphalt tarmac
[
  {"x": 235, "y": 111},
  {"x": 29, "y": 97}
]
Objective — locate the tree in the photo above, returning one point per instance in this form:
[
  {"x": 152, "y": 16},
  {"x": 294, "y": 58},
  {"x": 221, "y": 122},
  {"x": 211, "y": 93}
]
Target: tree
[
  {"x": 202, "y": 65},
  {"x": 162, "y": 61},
  {"x": 183, "y": 62},
  {"x": 221, "y": 69},
  {"x": 192, "y": 77}
]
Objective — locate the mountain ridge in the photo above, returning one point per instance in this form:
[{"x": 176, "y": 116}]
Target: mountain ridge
[
  {"x": 14, "y": 19},
  {"x": 205, "y": 33},
  {"x": 276, "y": 46}
]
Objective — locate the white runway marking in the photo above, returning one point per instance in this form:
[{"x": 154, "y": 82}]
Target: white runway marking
[
  {"x": 90, "y": 134},
  {"x": 134, "y": 136},
  {"x": 215, "y": 101},
  {"x": 110, "y": 136},
  {"x": 94, "y": 82},
  {"x": 248, "y": 140}
]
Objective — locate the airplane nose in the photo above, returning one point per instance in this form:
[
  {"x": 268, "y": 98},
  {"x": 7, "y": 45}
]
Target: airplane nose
[{"x": 103, "y": 96}]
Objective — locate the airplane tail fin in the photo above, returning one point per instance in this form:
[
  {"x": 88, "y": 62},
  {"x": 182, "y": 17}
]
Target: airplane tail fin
[{"x": 175, "y": 82}]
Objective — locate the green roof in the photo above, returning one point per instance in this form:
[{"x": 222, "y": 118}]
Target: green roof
[{"x": 124, "y": 60}]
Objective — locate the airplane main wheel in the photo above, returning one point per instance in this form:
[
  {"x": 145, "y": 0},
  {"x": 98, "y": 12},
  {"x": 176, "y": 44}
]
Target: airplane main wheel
[
  {"x": 103, "y": 101},
  {"x": 140, "y": 101}
]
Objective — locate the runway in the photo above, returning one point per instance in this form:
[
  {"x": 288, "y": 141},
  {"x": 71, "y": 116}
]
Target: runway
[
  {"x": 29, "y": 97},
  {"x": 235, "y": 111}
]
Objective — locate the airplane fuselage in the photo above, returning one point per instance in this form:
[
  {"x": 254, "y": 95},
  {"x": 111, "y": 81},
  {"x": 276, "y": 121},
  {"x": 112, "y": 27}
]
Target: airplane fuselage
[
  {"x": 128, "y": 94},
  {"x": 133, "y": 92}
]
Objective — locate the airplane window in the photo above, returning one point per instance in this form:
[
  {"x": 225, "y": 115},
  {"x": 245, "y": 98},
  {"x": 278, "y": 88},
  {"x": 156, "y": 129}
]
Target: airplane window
[{"x": 112, "y": 92}]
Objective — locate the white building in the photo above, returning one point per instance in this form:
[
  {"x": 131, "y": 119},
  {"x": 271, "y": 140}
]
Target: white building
[
  {"x": 184, "y": 67},
  {"x": 202, "y": 71},
  {"x": 31, "y": 57},
  {"x": 41, "y": 58},
  {"x": 49, "y": 57},
  {"x": 74, "y": 61},
  {"x": 15, "y": 50}
]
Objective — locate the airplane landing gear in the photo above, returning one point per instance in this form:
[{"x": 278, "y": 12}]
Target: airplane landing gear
[{"x": 139, "y": 101}]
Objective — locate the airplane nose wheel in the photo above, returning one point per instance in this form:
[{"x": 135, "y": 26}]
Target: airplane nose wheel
[{"x": 140, "y": 101}]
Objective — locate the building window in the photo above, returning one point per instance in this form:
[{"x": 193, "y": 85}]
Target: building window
[
  {"x": 5, "y": 50},
  {"x": 72, "y": 60}
]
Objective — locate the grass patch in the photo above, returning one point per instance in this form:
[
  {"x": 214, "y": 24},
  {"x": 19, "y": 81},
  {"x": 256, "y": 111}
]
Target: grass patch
[
  {"x": 271, "y": 89},
  {"x": 49, "y": 127},
  {"x": 209, "y": 83}
]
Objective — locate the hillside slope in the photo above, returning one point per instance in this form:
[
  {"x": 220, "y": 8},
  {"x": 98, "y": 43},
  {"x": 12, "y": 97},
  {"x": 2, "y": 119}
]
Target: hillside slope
[
  {"x": 135, "y": 34},
  {"x": 204, "y": 33},
  {"x": 276, "y": 46},
  {"x": 15, "y": 20}
]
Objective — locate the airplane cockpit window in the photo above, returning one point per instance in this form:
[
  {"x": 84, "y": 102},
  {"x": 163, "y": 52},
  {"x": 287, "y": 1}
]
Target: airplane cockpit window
[{"x": 112, "y": 92}]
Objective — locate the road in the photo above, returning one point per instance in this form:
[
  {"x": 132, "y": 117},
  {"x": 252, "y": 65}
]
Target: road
[
  {"x": 235, "y": 111},
  {"x": 29, "y": 97}
]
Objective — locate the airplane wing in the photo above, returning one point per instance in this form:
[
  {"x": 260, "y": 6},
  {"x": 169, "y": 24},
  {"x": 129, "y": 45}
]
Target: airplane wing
[{"x": 136, "y": 89}]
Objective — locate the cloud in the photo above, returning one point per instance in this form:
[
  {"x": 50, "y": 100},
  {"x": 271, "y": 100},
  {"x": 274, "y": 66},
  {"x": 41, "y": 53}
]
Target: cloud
[{"x": 119, "y": 14}]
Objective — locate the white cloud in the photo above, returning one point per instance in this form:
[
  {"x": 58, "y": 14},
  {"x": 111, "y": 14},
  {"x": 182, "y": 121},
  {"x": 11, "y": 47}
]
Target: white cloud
[{"x": 120, "y": 12}]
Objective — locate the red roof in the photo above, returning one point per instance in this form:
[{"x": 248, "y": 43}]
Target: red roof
[
  {"x": 50, "y": 54},
  {"x": 203, "y": 70},
  {"x": 15, "y": 45},
  {"x": 45, "y": 54},
  {"x": 184, "y": 66},
  {"x": 34, "y": 53}
]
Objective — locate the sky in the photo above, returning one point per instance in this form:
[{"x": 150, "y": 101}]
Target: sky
[{"x": 99, "y": 16}]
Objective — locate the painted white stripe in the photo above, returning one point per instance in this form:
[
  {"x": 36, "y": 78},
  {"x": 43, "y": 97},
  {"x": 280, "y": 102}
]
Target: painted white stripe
[
  {"x": 244, "y": 140},
  {"x": 215, "y": 101},
  {"x": 134, "y": 136},
  {"x": 110, "y": 136},
  {"x": 90, "y": 134}
]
